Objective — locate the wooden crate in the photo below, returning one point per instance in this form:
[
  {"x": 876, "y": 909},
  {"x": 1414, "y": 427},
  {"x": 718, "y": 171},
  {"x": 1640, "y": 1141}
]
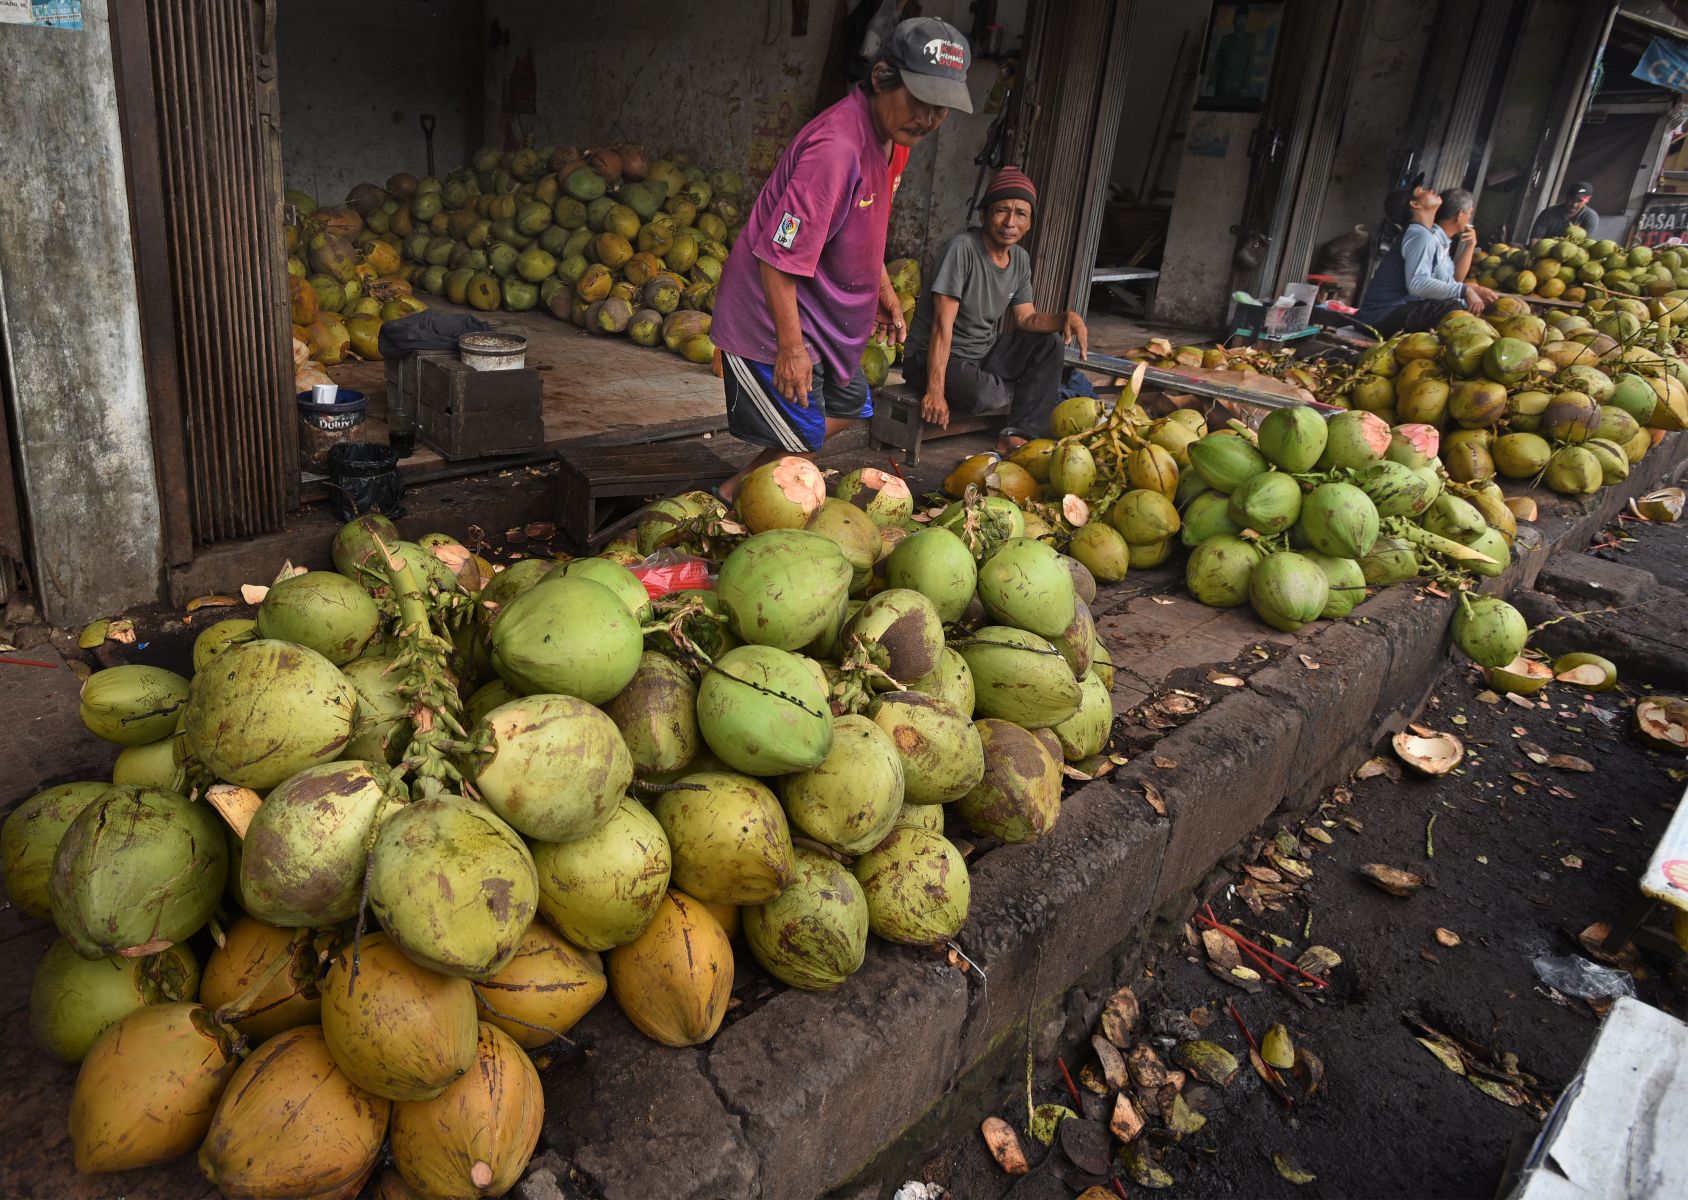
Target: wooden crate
[
  {"x": 403, "y": 392},
  {"x": 478, "y": 414},
  {"x": 897, "y": 421},
  {"x": 600, "y": 489}
]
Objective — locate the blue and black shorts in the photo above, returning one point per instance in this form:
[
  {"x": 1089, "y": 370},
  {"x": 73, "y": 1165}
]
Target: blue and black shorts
[{"x": 757, "y": 413}]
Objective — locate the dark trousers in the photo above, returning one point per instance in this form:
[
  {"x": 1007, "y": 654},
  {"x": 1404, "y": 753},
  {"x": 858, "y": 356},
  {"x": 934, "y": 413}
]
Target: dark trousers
[
  {"x": 1020, "y": 375},
  {"x": 1417, "y": 317}
]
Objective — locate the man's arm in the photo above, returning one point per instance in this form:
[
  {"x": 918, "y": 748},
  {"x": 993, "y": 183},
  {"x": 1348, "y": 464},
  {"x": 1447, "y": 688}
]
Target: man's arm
[
  {"x": 1464, "y": 251},
  {"x": 1068, "y": 324},
  {"x": 793, "y": 372},
  {"x": 888, "y": 322},
  {"x": 933, "y": 406}
]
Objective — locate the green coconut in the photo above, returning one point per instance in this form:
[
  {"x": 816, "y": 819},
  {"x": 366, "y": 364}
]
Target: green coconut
[
  {"x": 30, "y": 837},
  {"x": 72, "y": 999},
  {"x": 1489, "y": 630},
  {"x": 601, "y": 890},
  {"x": 1635, "y": 396},
  {"x": 1340, "y": 520},
  {"x": 1293, "y": 438},
  {"x": 1072, "y": 469},
  {"x": 1019, "y": 677},
  {"x": 937, "y": 564},
  {"x": 138, "y": 870},
  {"x": 1102, "y": 550},
  {"x": 1019, "y": 798},
  {"x": 511, "y": 582},
  {"x": 133, "y": 704},
  {"x": 1521, "y": 455},
  {"x": 937, "y": 743},
  {"x": 813, "y": 935},
  {"x": 1086, "y": 732},
  {"x": 1392, "y": 560},
  {"x": 1025, "y": 584},
  {"x": 1614, "y": 462},
  {"x": 214, "y": 639},
  {"x": 901, "y": 632},
  {"x": 1288, "y": 590},
  {"x": 782, "y": 494},
  {"x": 1395, "y": 490},
  {"x": 784, "y": 588},
  {"x": 612, "y": 575},
  {"x": 1354, "y": 440},
  {"x": 763, "y": 712},
  {"x": 1491, "y": 543},
  {"x": 884, "y": 497},
  {"x": 1217, "y": 571},
  {"x": 1574, "y": 471},
  {"x": 321, "y": 610},
  {"x": 1226, "y": 461},
  {"x": 157, "y": 764},
  {"x": 950, "y": 681},
  {"x": 267, "y": 710},
  {"x": 850, "y": 802},
  {"x": 485, "y": 698},
  {"x": 728, "y": 836},
  {"x": 853, "y": 532},
  {"x": 1269, "y": 503},
  {"x": 916, "y": 886},
  {"x": 452, "y": 885},
  {"x": 929, "y": 817},
  {"x": 382, "y": 728},
  {"x": 1454, "y": 518},
  {"x": 1144, "y": 518},
  {"x": 355, "y": 547},
  {"x": 657, "y": 716},
  {"x": 554, "y": 767},
  {"x": 1207, "y": 515},
  {"x": 570, "y": 637},
  {"x": 1347, "y": 582},
  {"x": 1075, "y": 641},
  {"x": 303, "y": 859}
]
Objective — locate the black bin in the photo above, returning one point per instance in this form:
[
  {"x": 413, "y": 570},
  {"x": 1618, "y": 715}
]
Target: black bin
[{"x": 363, "y": 478}]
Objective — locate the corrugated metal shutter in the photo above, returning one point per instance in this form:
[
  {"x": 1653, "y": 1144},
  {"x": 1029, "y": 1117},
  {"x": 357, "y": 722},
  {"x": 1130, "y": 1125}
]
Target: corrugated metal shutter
[
  {"x": 1075, "y": 76},
  {"x": 219, "y": 178}
]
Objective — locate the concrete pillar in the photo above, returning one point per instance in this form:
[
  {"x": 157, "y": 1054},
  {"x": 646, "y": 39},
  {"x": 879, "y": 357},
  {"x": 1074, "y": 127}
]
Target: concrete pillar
[{"x": 69, "y": 314}]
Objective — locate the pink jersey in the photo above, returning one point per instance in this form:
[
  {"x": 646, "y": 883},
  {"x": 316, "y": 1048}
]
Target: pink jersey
[{"x": 821, "y": 216}]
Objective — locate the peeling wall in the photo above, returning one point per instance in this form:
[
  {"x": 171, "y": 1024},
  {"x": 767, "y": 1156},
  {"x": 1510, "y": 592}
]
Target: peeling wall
[
  {"x": 356, "y": 79},
  {"x": 69, "y": 314}
]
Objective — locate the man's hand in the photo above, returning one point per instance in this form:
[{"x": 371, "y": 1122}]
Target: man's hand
[
  {"x": 935, "y": 409},
  {"x": 888, "y": 322},
  {"x": 794, "y": 374},
  {"x": 1073, "y": 328},
  {"x": 1477, "y": 298}
]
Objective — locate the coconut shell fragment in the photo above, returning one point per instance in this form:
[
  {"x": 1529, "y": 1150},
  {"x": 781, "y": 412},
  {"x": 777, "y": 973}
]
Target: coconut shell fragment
[
  {"x": 1432, "y": 754},
  {"x": 1004, "y": 1145},
  {"x": 1392, "y": 879},
  {"x": 1662, "y": 722}
]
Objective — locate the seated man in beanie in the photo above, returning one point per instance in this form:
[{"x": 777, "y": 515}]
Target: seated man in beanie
[{"x": 955, "y": 353}]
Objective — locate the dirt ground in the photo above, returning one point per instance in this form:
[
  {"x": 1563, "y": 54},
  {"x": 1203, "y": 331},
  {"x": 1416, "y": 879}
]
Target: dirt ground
[{"x": 1518, "y": 858}]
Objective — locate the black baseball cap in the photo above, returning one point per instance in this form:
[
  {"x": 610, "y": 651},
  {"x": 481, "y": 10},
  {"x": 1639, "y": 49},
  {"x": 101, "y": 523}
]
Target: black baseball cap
[
  {"x": 1582, "y": 189},
  {"x": 932, "y": 56}
]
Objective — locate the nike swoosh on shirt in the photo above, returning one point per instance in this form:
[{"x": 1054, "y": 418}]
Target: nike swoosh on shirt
[{"x": 868, "y": 202}]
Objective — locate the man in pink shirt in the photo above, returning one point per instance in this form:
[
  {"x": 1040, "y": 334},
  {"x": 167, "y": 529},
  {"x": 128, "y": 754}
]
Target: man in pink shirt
[{"x": 805, "y": 285}]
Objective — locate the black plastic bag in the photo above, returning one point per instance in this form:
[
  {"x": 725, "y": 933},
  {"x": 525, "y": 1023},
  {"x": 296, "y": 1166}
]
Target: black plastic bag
[
  {"x": 363, "y": 478},
  {"x": 427, "y": 331}
]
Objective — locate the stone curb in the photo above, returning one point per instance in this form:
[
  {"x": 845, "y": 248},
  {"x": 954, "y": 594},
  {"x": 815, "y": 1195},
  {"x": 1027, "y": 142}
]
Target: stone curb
[{"x": 806, "y": 1091}]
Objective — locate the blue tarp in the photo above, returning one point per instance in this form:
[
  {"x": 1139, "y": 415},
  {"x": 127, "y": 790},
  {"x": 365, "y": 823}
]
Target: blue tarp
[{"x": 1664, "y": 63}]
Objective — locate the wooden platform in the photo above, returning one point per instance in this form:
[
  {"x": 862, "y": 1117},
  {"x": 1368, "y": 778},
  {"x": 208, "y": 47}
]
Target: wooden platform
[{"x": 597, "y": 387}]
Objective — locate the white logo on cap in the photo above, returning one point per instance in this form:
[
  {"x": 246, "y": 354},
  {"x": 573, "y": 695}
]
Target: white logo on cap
[{"x": 943, "y": 53}]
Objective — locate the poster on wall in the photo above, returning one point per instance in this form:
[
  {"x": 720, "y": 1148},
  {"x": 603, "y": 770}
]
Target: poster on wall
[
  {"x": 1663, "y": 218},
  {"x": 1237, "y": 56},
  {"x": 54, "y": 14}
]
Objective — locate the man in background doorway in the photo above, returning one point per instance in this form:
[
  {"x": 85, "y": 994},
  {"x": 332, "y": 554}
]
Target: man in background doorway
[
  {"x": 1418, "y": 283},
  {"x": 955, "y": 354},
  {"x": 1555, "y": 221}
]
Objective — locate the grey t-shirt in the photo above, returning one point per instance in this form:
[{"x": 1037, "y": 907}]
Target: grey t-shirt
[{"x": 985, "y": 291}]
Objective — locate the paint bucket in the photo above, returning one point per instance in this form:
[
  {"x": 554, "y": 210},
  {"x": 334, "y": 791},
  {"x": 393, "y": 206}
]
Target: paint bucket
[{"x": 324, "y": 426}]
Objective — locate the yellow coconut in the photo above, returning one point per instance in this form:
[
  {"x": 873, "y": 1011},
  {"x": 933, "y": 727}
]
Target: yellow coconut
[
  {"x": 549, "y": 985},
  {"x": 673, "y": 981},
  {"x": 248, "y": 953},
  {"x": 292, "y": 1125},
  {"x": 475, "y": 1138},
  {"x": 398, "y": 1030},
  {"x": 146, "y": 1091},
  {"x": 727, "y": 914}
]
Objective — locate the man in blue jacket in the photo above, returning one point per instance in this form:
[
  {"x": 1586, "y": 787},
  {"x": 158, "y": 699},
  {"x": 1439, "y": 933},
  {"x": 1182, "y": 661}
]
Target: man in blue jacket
[{"x": 1418, "y": 282}]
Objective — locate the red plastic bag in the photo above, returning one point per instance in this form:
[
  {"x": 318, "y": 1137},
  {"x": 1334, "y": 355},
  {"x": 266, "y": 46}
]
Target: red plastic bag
[{"x": 665, "y": 572}]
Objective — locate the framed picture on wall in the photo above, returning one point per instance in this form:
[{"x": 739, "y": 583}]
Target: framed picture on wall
[{"x": 1237, "y": 56}]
